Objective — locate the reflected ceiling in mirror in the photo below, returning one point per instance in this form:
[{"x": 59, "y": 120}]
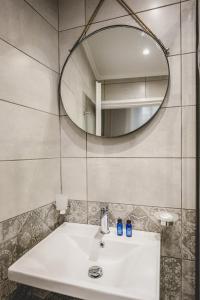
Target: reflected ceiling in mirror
[{"x": 114, "y": 81}]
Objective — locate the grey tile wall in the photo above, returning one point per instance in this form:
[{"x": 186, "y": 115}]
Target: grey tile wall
[
  {"x": 48, "y": 9},
  {"x": 29, "y": 32},
  {"x": 27, "y": 82},
  {"x": 29, "y": 108},
  {"x": 29, "y": 129},
  {"x": 21, "y": 233},
  {"x": 17, "y": 236},
  {"x": 168, "y": 140}
]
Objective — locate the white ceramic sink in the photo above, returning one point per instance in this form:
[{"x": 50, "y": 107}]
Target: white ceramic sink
[{"x": 60, "y": 263}]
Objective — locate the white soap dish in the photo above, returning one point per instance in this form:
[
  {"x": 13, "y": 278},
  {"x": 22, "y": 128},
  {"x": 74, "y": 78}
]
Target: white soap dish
[{"x": 166, "y": 218}]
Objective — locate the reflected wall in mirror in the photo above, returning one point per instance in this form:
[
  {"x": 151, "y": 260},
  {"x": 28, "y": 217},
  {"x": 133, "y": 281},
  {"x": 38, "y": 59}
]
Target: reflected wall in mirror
[{"x": 114, "y": 81}]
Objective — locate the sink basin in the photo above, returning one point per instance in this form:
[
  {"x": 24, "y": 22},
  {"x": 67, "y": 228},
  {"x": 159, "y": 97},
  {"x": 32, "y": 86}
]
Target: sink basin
[{"x": 60, "y": 263}]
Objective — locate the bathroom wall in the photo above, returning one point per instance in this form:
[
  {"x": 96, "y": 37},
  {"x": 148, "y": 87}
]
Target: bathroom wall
[
  {"x": 150, "y": 170},
  {"x": 29, "y": 128}
]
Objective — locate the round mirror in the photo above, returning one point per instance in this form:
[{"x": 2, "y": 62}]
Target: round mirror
[{"x": 114, "y": 81}]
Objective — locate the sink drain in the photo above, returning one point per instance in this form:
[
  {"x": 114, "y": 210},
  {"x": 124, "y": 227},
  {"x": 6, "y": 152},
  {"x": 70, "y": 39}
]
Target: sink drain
[{"x": 95, "y": 272}]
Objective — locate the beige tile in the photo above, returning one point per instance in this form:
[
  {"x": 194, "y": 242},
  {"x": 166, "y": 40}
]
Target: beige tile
[
  {"x": 71, "y": 14},
  {"x": 28, "y": 184},
  {"x": 189, "y": 79},
  {"x": 48, "y": 9},
  {"x": 67, "y": 39},
  {"x": 165, "y": 23},
  {"x": 111, "y": 9},
  {"x": 138, "y": 5},
  {"x": 189, "y": 183},
  {"x": 173, "y": 97},
  {"x": 25, "y": 81},
  {"x": 144, "y": 181},
  {"x": 188, "y": 26},
  {"x": 27, "y": 133},
  {"x": 160, "y": 138},
  {"x": 21, "y": 26},
  {"x": 188, "y": 131},
  {"x": 127, "y": 20},
  {"x": 74, "y": 178},
  {"x": 73, "y": 140}
]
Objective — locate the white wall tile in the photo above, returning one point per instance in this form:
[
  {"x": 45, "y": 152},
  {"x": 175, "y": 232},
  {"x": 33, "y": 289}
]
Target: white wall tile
[
  {"x": 111, "y": 9},
  {"x": 127, "y": 20},
  {"x": 24, "y": 28},
  {"x": 71, "y": 14},
  {"x": 154, "y": 182},
  {"x": 74, "y": 178},
  {"x": 165, "y": 23},
  {"x": 138, "y": 5},
  {"x": 73, "y": 140},
  {"x": 188, "y": 131},
  {"x": 189, "y": 183},
  {"x": 189, "y": 79},
  {"x": 67, "y": 39},
  {"x": 188, "y": 26},
  {"x": 48, "y": 9},
  {"x": 160, "y": 138},
  {"x": 25, "y": 81},
  {"x": 26, "y": 185},
  {"x": 27, "y": 133}
]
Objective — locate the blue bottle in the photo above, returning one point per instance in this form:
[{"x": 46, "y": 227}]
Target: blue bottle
[
  {"x": 128, "y": 228},
  {"x": 119, "y": 227}
]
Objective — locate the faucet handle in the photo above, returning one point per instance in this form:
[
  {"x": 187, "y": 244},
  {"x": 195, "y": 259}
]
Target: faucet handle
[{"x": 104, "y": 209}]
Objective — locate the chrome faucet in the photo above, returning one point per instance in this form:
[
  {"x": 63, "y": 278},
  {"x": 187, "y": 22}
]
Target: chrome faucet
[{"x": 104, "y": 221}]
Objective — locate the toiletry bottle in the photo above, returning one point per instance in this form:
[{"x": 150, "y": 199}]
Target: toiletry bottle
[
  {"x": 128, "y": 228},
  {"x": 119, "y": 227}
]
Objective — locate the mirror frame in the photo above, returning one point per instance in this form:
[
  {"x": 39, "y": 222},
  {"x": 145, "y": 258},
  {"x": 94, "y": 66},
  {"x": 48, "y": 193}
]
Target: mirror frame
[{"x": 77, "y": 43}]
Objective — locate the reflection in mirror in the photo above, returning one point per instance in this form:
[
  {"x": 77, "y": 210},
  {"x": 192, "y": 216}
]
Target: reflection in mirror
[{"x": 114, "y": 81}]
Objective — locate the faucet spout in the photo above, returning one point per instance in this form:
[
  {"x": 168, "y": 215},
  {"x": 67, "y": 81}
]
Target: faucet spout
[{"x": 104, "y": 221}]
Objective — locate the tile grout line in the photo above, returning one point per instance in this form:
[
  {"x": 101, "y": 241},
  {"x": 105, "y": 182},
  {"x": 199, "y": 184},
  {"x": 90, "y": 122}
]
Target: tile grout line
[
  {"x": 99, "y": 157},
  {"x": 36, "y": 11},
  {"x": 26, "y": 212},
  {"x": 59, "y": 100},
  {"x": 28, "y": 159},
  {"x": 29, "y": 107},
  {"x": 126, "y": 15},
  {"x": 86, "y": 146},
  {"x": 28, "y": 55},
  {"x": 181, "y": 81},
  {"x": 127, "y": 157},
  {"x": 114, "y": 203}
]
